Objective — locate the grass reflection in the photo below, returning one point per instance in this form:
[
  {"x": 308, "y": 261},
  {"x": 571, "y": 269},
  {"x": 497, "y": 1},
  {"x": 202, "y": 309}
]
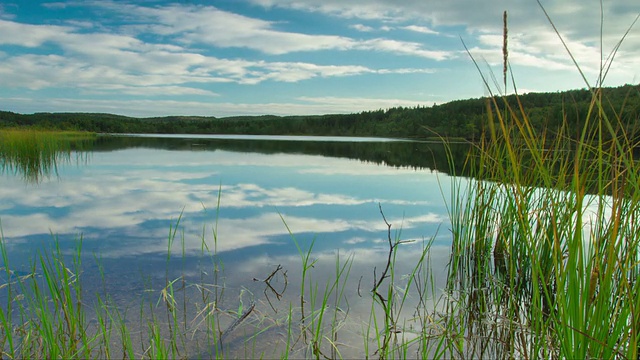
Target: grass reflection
[{"x": 35, "y": 154}]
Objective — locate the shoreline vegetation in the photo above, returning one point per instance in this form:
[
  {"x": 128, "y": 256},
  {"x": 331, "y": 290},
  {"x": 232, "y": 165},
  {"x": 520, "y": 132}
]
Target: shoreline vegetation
[
  {"x": 34, "y": 154},
  {"x": 547, "y": 113},
  {"x": 545, "y": 271}
]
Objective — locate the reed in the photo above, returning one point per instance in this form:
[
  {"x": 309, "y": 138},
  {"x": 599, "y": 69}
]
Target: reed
[
  {"x": 35, "y": 154},
  {"x": 545, "y": 248}
]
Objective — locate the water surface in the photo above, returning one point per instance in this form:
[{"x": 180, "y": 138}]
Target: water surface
[{"x": 241, "y": 199}]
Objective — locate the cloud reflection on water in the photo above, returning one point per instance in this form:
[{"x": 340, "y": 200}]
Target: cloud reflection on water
[{"x": 126, "y": 200}]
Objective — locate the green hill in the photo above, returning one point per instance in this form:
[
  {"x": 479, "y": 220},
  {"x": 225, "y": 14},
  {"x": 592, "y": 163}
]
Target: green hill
[{"x": 457, "y": 119}]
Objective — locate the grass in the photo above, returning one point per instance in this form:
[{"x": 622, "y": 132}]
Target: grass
[
  {"x": 34, "y": 154},
  {"x": 545, "y": 240},
  {"x": 547, "y": 271},
  {"x": 544, "y": 264}
]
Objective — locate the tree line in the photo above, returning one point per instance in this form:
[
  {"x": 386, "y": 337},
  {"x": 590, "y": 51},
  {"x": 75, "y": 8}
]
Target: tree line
[{"x": 462, "y": 119}]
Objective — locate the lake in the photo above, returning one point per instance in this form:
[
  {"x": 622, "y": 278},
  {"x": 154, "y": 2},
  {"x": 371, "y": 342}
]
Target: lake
[
  {"x": 227, "y": 212},
  {"x": 145, "y": 246}
]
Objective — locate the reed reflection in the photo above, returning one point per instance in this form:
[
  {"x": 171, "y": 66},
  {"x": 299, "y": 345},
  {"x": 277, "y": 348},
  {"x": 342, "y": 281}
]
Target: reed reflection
[{"x": 34, "y": 155}]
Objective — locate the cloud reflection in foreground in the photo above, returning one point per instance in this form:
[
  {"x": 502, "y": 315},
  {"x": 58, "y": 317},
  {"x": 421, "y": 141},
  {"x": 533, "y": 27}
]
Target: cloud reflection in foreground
[{"x": 124, "y": 202}]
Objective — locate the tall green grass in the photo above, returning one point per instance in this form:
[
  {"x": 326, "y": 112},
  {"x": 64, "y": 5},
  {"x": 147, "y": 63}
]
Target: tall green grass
[
  {"x": 44, "y": 315},
  {"x": 546, "y": 243},
  {"x": 545, "y": 240},
  {"x": 35, "y": 154}
]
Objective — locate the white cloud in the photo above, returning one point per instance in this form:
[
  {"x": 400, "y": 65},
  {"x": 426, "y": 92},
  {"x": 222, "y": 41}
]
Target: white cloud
[
  {"x": 406, "y": 71},
  {"x": 414, "y": 28},
  {"x": 79, "y": 24},
  {"x": 361, "y": 9},
  {"x": 361, "y": 27},
  {"x": 210, "y": 25},
  {"x": 55, "y": 5},
  {"x": 15, "y": 33},
  {"x": 420, "y": 29},
  {"x": 102, "y": 62},
  {"x": 577, "y": 21},
  {"x": 294, "y": 72},
  {"x": 357, "y": 240},
  {"x": 150, "y": 90},
  {"x": 364, "y": 103},
  {"x": 303, "y": 105},
  {"x": 403, "y": 47},
  {"x": 473, "y": 15},
  {"x": 115, "y": 57}
]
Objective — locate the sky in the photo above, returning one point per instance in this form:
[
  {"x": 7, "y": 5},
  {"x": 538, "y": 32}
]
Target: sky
[{"x": 297, "y": 57}]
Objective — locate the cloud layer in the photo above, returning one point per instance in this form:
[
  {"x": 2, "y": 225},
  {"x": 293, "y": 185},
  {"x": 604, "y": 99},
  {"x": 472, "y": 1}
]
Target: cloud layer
[{"x": 294, "y": 56}]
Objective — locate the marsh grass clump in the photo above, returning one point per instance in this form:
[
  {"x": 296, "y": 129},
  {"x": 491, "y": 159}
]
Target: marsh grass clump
[
  {"x": 545, "y": 238},
  {"x": 545, "y": 244},
  {"x": 35, "y": 154},
  {"x": 43, "y": 315}
]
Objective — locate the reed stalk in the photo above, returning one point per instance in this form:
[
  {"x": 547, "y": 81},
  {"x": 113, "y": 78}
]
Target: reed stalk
[{"x": 544, "y": 245}]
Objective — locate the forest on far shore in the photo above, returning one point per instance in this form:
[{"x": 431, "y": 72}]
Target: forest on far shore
[{"x": 461, "y": 119}]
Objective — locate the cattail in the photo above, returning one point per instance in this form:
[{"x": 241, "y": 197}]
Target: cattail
[{"x": 505, "y": 52}]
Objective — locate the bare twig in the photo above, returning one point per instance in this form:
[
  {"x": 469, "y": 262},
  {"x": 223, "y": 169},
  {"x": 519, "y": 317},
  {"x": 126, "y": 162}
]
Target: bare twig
[
  {"x": 387, "y": 304},
  {"x": 391, "y": 248},
  {"x": 267, "y": 281}
]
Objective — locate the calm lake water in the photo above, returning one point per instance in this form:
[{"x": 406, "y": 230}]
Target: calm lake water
[{"x": 241, "y": 199}]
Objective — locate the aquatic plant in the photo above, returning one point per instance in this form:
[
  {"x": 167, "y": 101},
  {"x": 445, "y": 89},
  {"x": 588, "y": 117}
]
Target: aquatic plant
[
  {"x": 35, "y": 154},
  {"x": 545, "y": 244}
]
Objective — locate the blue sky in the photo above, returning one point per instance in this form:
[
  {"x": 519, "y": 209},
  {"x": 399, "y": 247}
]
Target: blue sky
[{"x": 251, "y": 57}]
